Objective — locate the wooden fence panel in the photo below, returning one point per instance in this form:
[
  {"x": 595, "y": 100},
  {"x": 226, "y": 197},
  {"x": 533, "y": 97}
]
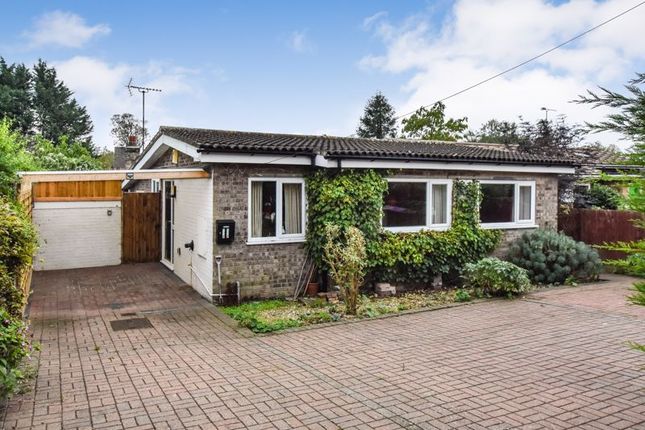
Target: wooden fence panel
[
  {"x": 595, "y": 227},
  {"x": 141, "y": 227},
  {"x": 76, "y": 191}
]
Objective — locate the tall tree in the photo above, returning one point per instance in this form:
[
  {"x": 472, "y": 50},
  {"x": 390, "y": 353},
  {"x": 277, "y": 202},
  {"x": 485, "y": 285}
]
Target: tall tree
[
  {"x": 57, "y": 113},
  {"x": 378, "y": 119},
  {"x": 15, "y": 96},
  {"x": 431, "y": 124},
  {"x": 550, "y": 138},
  {"x": 123, "y": 126},
  {"x": 629, "y": 120}
]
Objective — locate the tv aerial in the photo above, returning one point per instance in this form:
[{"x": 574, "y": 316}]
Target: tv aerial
[{"x": 143, "y": 91}]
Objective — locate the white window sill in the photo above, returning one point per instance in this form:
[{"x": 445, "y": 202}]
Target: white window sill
[
  {"x": 274, "y": 240},
  {"x": 416, "y": 229},
  {"x": 508, "y": 226}
]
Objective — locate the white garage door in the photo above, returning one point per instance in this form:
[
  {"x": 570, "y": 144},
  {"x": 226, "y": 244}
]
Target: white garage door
[{"x": 78, "y": 234}]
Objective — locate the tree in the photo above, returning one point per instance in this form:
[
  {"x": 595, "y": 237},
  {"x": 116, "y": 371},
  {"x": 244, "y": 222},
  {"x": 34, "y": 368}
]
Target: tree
[
  {"x": 549, "y": 138},
  {"x": 14, "y": 158},
  {"x": 57, "y": 113},
  {"x": 378, "y": 120},
  {"x": 15, "y": 96},
  {"x": 63, "y": 156},
  {"x": 431, "y": 124},
  {"x": 123, "y": 126},
  {"x": 494, "y": 131},
  {"x": 630, "y": 118}
]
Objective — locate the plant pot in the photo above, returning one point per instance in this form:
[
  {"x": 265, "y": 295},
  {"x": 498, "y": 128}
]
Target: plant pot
[{"x": 312, "y": 289}]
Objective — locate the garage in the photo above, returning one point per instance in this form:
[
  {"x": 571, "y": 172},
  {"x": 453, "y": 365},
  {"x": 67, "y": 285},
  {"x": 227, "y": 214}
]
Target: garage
[{"x": 85, "y": 220}]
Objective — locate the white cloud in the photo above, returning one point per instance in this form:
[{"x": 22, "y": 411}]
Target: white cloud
[
  {"x": 100, "y": 86},
  {"x": 483, "y": 37},
  {"x": 64, "y": 29},
  {"x": 299, "y": 42}
]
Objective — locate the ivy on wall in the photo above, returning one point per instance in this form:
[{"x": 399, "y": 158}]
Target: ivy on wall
[{"x": 355, "y": 198}]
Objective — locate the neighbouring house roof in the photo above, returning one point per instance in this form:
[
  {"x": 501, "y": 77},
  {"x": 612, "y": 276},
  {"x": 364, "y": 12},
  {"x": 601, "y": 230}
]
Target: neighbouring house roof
[{"x": 224, "y": 141}]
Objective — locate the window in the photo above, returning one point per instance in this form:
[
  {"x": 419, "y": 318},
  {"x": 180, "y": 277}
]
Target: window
[
  {"x": 276, "y": 210},
  {"x": 507, "y": 204},
  {"x": 416, "y": 204},
  {"x": 405, "y": 204},
  {"x": 155, "y": 185}
]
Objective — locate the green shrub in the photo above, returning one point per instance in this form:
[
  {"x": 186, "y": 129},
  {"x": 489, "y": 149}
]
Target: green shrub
[
  {"x": 11, "y": 298},
  {"x": 14, "y": 346},
  {"x": 462, "y": 296},
  {"x": 497, "y": 277},
  {"x": 638, "y": 295},
  {"x": 551, "y": 257},
  {"x": 602, "y": 197},
  {"x": 17, "y": 238}
]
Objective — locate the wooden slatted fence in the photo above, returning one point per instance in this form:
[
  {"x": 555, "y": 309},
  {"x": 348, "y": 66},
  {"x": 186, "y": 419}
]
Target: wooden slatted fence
[{"x": 595, "y": 227}]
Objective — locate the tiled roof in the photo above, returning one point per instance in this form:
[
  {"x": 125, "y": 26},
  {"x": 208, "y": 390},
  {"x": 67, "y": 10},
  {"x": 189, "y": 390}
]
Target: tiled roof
[{"x": 207, "y": 140}]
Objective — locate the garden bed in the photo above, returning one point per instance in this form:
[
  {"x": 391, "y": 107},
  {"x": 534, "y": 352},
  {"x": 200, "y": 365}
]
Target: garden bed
[{"x": 275, "y": 315}]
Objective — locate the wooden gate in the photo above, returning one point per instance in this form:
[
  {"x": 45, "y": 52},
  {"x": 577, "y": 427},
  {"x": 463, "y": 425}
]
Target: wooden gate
[{"x": 141, "y": 232}]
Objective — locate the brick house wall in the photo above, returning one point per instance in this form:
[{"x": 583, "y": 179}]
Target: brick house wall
[
  {"x": 272, "y": 270},
  {"x": 267, "y": 270}
]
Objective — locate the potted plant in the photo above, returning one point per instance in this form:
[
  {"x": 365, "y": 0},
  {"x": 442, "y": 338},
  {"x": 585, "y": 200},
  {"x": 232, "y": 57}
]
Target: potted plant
[{"x": 312, "y": 287}]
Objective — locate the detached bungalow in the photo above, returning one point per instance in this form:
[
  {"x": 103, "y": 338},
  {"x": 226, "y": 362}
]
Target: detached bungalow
[{"x": 246, "y": 222}]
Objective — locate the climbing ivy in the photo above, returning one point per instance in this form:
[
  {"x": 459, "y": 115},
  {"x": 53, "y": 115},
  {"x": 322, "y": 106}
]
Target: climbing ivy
[
  {"x": 350, "y": 198},
  {"x": 355, "y": 198}
]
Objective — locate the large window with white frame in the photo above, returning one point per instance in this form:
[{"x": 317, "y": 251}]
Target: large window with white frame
[
  {"x": 417, "y": 204},
  {"x": 276, "y": 210},
  {"x": 507, "y": 204}
]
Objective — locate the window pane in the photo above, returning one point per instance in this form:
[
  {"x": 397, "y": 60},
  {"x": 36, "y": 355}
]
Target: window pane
[
  {"x": 525, "y": 203},
  {"x": 497, "y": 203},
  {"x": 405, "y": 204},
  {"x": 439, "y": 204},
  {"x": 292, "y": 208},
  {"x": 263, "y": 207}
]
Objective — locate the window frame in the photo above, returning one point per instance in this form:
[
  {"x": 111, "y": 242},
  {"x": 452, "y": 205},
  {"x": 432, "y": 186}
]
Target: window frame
[
  {"x": 429, "y": 208},
  {"x": 516, "y": 223},
  {"x": 279, "y": 237}
]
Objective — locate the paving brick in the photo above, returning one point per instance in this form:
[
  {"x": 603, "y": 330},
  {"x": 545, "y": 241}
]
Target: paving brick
[{"x": 551, "y": 360}]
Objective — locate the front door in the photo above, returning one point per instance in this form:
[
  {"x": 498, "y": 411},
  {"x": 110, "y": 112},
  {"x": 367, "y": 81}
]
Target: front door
[{"x": 168, "y": 230}]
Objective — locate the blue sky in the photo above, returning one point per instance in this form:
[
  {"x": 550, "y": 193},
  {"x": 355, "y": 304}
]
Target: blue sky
[{"x": 309, "y": 67}]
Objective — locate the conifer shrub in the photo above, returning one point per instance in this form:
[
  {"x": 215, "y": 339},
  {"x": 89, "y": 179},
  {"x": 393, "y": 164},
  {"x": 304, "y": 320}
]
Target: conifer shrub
[{"x": 551, "y": 257}]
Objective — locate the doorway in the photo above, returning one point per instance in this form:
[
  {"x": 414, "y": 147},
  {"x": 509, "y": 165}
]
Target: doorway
[{"x": 168, "y": 224}]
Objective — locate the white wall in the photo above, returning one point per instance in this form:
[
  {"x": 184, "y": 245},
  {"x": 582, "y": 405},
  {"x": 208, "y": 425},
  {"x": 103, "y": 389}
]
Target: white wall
[
  {"x": 77, "y": 234},
  {"x": 194, "y": 221}
]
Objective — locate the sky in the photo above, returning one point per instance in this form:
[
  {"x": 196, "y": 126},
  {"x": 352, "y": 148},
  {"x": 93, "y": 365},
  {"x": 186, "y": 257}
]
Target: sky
[{"x": 310, "y": 67}]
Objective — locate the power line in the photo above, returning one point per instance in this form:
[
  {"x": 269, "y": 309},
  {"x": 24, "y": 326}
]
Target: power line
[{"x": 530, "y": 59}]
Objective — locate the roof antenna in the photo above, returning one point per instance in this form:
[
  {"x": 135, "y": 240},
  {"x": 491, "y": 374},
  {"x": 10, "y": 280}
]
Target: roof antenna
[{"x": 143, "y": 91}]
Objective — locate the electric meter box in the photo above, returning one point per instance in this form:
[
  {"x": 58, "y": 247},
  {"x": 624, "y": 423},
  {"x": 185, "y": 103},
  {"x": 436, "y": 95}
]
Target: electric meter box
[{"x": 225, "y": 229}]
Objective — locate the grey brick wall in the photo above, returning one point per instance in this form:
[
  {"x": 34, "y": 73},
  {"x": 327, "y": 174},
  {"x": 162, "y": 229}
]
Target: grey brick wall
[
  {"x": 263, "y": 270},
  {"x": 272, "y": 270}
]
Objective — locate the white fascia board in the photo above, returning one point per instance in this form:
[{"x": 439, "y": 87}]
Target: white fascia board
[
  {"x": 290, "y": 160},
  {"x": 438, "y": 165},
  {"x": 157, "y": 150}
]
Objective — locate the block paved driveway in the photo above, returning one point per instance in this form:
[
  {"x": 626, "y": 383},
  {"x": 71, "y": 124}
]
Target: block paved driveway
[{"x": 546, "y": 362}]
